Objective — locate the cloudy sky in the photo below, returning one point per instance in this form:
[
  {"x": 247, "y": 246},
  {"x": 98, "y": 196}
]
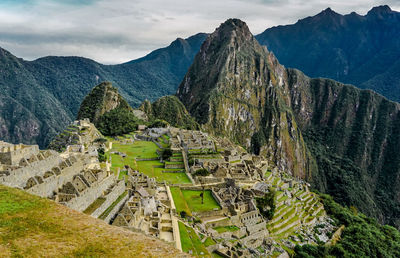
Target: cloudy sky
[{"x": 116, "y": 31}]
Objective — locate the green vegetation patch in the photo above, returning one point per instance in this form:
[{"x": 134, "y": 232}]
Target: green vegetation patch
[
  {"x": 94, "y": 206},
  {"x": 362, "y": 236},
  {"x": 145, "y": 150},
  {"x": 193, "y": 199},
  {"x": 179, "y": 200},
  {"x": 209, "y": 241},
  {"x": 111, "y": 207},
  {"x": 223, "y": 229},
  {"x": 191, "y": 242},
  {"x": 147, "y": 168},
  {"x": 122, "y": 174},
  {"x": 16, "y": 202}
]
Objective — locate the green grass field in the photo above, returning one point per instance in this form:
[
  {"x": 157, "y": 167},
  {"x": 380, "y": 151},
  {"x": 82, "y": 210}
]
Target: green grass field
[
  {"x": 226, "y": 229},
  {"x": 31, "y": 226},
  {"x": 147, "y": 168},
  {"x": 179, "y": 200},
  {"x": 191, "y": 242},
  {"x": 193, "y": 199},
  {"x": 209, "y": 241},
  {"x": 144, "y": 149},
  {"x": 190, "y": 200}
]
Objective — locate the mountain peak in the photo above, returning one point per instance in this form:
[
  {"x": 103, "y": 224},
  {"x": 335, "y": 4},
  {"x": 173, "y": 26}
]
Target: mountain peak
[
  {"x": 102, "y": 98},
  {"x": 379, "y": 10},
  {"x": 232, "y": 25},
  {"x": 328, "y": 12}
]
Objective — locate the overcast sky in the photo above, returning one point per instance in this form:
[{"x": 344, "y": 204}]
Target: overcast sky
[{"x": 116, "y": 31}]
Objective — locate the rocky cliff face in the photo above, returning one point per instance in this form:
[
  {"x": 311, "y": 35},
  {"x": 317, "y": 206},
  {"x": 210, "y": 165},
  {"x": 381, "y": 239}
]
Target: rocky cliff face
[
  {"x": 102, "y": 99},
  {"x": 24, "y": 117},
  {"x": 170, "y": 109},
  {"x": 354, "y": 136},
  {"x": 342, "y": 139},
  {"x": 237, "y": 89}
]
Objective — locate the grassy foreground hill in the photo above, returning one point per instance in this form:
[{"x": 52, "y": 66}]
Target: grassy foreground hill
[{"x": 31, "y": 226}]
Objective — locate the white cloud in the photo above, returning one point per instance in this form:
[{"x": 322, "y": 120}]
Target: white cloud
[{"x": 120, "y": 30}]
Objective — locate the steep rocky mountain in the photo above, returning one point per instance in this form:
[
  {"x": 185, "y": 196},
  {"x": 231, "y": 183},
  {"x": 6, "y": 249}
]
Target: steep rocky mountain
[
  {"x": 102, "y": 99},
  {"x": 170, "y": 109},
  {"x": 109, "y": 111},
  {"x": 235, "y": 88},
  {"x": 363, "y": 50},
  {"x": 41, "y": 97},
  {"x": 28, "y": 112},
  {"x": 342, "y": 139}
]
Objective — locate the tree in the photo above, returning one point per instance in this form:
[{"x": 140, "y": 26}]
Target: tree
[
  {"x": 101, "y": 140},
  {"x": 117, "y": 122},
  {"x": 159, "y": 123},
  {"x": 166, "y": 153},
  {"x": 191, "y": 161},
  {"x": 183, "y": 214},
  {"x": 202, "y": 172},
  {"x": 202, "y": 196},
  {"x": 101, "y": 155},
  {"x": 266, "y": 204}
]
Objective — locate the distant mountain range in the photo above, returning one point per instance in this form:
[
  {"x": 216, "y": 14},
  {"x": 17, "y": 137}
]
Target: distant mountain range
[
  {"x": 355, "y": 49},
  {"x": 39, "y": 98}
]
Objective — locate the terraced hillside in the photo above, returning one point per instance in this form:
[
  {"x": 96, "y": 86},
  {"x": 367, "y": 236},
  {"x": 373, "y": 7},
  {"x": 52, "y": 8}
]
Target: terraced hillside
[{"x": 295, "y": 209}]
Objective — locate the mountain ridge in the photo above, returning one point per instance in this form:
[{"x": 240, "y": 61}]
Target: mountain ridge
[
  {"x": 338, "y": 137},
  {"x": 52, "y": 88},
  {"x": 229, "y": 89},
  {"x": 352, "y": 48}
]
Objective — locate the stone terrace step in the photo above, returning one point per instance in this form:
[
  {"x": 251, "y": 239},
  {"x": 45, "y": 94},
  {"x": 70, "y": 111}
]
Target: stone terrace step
[
  {"x": 287, "y": 216},
  {"x": 287, "y": 226}
]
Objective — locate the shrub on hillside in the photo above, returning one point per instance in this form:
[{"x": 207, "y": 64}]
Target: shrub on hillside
[
  {"x": 117, "y": 122},
  {"x": 266, "y": 204},
  {"x": 159, "y": 123},
  {"x": 202, "y": 172},
  {"x": 166, "y": 153},
  {"x": 101, "y": 155}
]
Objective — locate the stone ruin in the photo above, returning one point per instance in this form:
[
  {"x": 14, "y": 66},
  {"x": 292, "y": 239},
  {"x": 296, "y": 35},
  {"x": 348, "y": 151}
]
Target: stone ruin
[
  {"x": 148, "y": 209},
  {"x": 73, "y": 179},
  {"x": 191, "y": 140},
  {"x": 243, "y": 214}
]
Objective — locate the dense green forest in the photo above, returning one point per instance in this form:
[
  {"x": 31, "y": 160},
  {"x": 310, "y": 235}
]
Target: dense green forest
[{"x": 362, "y": 236}]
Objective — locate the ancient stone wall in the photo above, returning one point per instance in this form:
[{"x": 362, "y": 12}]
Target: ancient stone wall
[
  {"x": 51, "y": 184},
  {"x": 255, "y": 240},
  {"x": 174, "y": 166},
  {"x": 110, "y": 198},
  {"x": 89, "y": 195},
  {"x": 257, "y": 227},
  {"x": 115, "y": 210},
  {"x": 19, "y": 176},
  {"x": 12, "y": 154}
]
